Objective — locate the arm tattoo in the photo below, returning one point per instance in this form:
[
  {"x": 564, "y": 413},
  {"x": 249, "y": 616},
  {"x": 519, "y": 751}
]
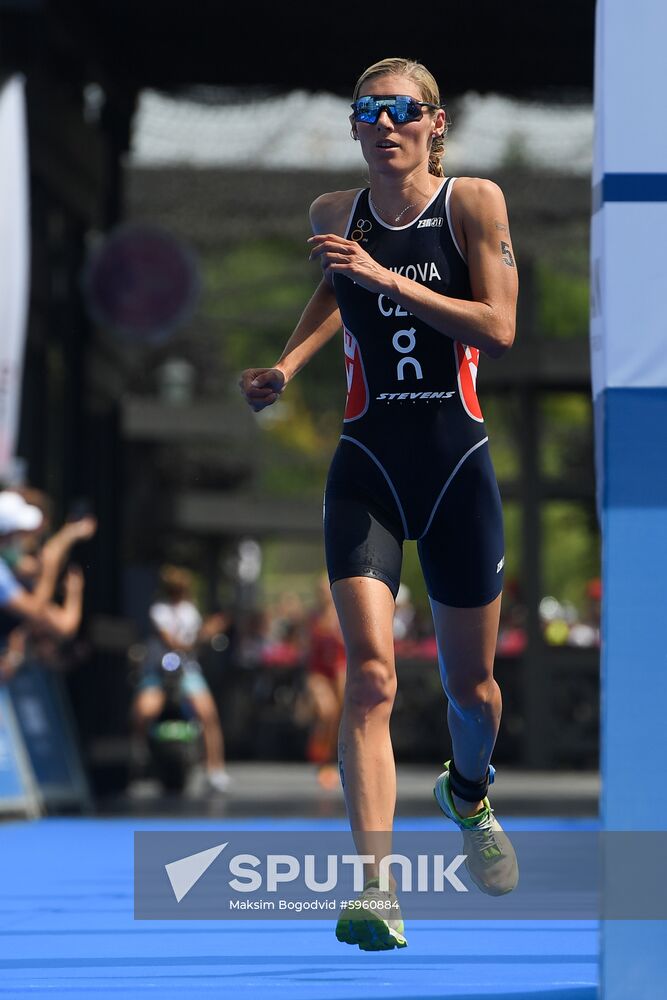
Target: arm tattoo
[
  {"x": 506, "y": 253},
  {"x": 499, "y": 225}
]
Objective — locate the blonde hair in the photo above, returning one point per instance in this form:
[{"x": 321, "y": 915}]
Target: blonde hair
[{"x": 428, "y": 87}]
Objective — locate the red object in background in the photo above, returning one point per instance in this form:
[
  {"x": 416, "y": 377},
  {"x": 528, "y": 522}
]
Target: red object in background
[
  {"x": 326, "y": 651},
  {"x": 417, "y": 649},
  {"x": 511, "y": 642},
  {"x": 281, "y": 654}
]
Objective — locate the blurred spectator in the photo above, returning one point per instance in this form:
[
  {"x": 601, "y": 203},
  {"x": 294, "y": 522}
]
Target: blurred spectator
[
  {"x": 286, "y": 650},
  {"x": 512, "y": 637},
  {"x": 561, "y": 623},
  {"x": 254, "y": 629},
  {"x": 289, "y": 616},
  {"x": 586, "y": 633},
  {"x": 178, "y": 628},
  {"x": 325, "y": 682},
  {"x": 39, "y": 643},
  {"x": 28, "y": 580}
]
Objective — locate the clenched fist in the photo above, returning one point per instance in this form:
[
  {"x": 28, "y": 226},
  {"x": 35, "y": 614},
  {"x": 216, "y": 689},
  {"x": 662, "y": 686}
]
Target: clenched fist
[{"x": 261, "y": 386}]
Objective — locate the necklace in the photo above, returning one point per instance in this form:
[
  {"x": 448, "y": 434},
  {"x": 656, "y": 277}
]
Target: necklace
[{"x": 397, "y": 218}]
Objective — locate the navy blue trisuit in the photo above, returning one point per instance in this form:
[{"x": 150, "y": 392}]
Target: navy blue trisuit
[{"x": 413, "y": 458}]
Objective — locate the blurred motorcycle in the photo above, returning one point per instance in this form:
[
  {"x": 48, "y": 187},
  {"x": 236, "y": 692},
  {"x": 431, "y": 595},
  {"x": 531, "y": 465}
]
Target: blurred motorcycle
[{"x": 175, "y": 739}]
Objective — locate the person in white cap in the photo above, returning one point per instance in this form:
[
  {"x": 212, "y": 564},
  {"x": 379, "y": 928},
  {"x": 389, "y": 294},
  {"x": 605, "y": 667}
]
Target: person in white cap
[{"x": 36, "y": 608}]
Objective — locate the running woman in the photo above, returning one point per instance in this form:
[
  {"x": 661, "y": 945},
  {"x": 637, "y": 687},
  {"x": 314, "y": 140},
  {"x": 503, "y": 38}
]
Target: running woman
[{"x": 419, "y": 270}]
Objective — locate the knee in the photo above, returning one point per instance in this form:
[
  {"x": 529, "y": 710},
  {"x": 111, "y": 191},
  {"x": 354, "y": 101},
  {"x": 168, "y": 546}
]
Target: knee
[
  {"x": 470, "y": 695},
  {"x": 370, "y": 684}
]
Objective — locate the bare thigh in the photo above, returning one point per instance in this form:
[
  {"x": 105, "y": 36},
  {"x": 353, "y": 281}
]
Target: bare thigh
[{"x": 365, "y": 608}]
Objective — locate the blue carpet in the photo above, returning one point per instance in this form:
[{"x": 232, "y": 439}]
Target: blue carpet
[{"x": 67, "y": 930}]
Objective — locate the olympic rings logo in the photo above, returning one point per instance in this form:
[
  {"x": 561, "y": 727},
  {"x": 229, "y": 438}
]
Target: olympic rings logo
[{"x": 363, "y": 226}]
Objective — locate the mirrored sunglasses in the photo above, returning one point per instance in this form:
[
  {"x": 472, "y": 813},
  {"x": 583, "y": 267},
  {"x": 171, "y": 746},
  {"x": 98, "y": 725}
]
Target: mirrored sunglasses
[{"x": 400, "y": 107}]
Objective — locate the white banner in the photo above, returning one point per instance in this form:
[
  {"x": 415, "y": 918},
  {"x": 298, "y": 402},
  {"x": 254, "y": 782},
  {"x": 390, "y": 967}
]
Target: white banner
[
  {"x": 628, "y": 259},
  {"x": 14, "y": 261}
]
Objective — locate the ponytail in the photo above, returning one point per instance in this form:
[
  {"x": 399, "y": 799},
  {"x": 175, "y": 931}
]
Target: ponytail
[{"x": 436, "y": 154}]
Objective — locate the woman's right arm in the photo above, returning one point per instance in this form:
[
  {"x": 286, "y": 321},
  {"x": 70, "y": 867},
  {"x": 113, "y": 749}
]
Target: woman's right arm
[
  {"x": 60, "y": 620},
  {"x": 319, "y": 321}
]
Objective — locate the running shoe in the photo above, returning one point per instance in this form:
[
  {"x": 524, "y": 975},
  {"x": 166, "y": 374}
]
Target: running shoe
[
  {"x": 373, "y": 920},
  {"x": 490, "y": 857},
  {"x": 218, "y": 779}
]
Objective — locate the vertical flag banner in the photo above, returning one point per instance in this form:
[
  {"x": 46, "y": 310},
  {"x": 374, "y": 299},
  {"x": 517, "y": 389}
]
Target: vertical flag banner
[
  {"x": 14, "y": 255},
  {"x": 629, "y": 364}
]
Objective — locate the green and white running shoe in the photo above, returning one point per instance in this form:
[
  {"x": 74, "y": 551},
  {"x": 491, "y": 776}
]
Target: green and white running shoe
[
  {"x": 490, "y": 857},
  {"x": 373, "y": 920}
]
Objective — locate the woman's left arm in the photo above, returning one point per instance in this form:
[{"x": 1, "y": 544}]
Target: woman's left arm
[{"x": 488, "y": 320}]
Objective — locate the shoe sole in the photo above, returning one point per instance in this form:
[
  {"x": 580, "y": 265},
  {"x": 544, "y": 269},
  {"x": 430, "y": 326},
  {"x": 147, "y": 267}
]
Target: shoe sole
[{"x": 371, "y": 934}]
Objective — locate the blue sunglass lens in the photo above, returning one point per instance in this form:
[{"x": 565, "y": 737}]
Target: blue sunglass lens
[
  {"x": 366, "y": 110},
  {"x": 403, "y": 109},
  {"x": 399, "y": 109}
]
